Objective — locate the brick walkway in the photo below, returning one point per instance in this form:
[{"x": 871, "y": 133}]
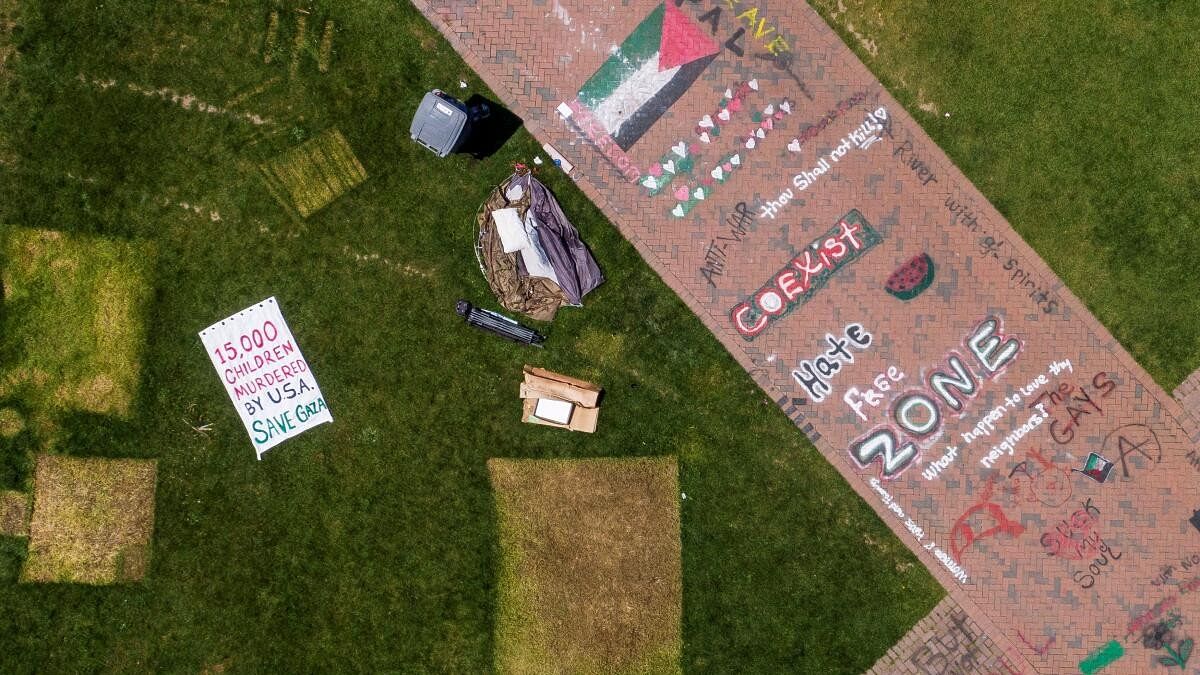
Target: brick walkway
[{"x": 768, "y": 177}]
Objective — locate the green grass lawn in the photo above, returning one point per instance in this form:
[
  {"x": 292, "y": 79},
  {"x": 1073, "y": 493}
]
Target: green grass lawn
[
  {"x": 371, "y": 544},
  {"x": 1078, "y": 123}
]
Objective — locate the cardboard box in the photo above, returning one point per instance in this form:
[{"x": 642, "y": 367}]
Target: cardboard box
[{"x": 557, "y": 392}]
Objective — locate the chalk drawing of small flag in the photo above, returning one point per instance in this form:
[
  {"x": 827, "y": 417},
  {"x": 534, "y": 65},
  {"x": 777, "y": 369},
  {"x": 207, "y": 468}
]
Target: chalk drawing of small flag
[
  {"x": 648, "y": 73},
  {"x": 1096, "y": 467}
]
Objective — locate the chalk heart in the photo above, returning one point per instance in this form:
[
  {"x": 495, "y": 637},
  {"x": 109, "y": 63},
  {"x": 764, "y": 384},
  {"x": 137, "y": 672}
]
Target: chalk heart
[
  {"x": 669, "y": 166},
  {"x": 681, "y": 192},
  {"x": 678, "y": 211},
  {"x": 650, "y": 182},
  {"x": 778, "y": 114},
  {"x": 706, "y": 181},
  {"x": 794, "y": 146},
  {"x": 680, "y": 149},
  {"x": 723, "y": 115},
  {"x": 760, "y": 133},
  {"x": 728, "y": 166},
  {"x": 728, "y": 93},
  {"x": 753, "y": 84},
  {"x": 706, "y": 122},
  {"x": 768, "y": 124},
  {"x": 786, "y": 107},
  {"x": 881, "y": 113},
  {"x": 770, "y": 109},
  {"x": 750, "y": 143},
  {"x": 655, "y": 169},
  {"x": 736, "y": 160},
  {"x": 699, "y": 194},
  {"x": 735, "y": 105},
  {"x": 718, "y": 173},
  {"x": 704, "y": 137}
]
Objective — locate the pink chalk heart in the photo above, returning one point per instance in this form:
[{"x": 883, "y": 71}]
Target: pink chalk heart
[
  {"x": 655, "y": 169},
  {"x": 768, "y": 124},
  {"x": 707, "y": 181},
  {"x": 681, "y": 193},
  {"x": 735, "y": 105},
  {"x": 728, "y": 166},
  {"x": 778, "y": 114}
]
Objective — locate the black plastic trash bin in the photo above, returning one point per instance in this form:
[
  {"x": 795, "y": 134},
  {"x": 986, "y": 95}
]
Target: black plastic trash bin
[{"x": 443, "y": 123}]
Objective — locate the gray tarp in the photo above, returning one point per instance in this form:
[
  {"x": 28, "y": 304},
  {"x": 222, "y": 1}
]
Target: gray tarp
[{"x": 573, "y": 264}]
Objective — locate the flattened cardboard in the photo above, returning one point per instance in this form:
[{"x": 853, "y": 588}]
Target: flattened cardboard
[
  {"x": 562, "y": 387},
  {"x": 543, "y": 384}
]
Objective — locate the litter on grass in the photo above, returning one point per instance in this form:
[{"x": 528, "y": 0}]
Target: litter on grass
[{"x": 559, "y": 401}]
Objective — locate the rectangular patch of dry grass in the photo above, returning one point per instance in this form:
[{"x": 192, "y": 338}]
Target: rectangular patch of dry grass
[
  {"x": 590, "y": 566},
  {"x": 75, "y": 316},
  {"x": 312, "y": 175},
  {"x": 92, "y": 520},
  {"x": 14, "y": 513}
]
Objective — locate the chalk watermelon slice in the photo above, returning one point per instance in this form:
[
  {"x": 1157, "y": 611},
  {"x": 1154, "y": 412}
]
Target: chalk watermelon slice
[{"x": 911, "y": 278}]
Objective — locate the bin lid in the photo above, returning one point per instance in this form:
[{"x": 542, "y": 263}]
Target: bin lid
[{"x": 438, "y": 124}]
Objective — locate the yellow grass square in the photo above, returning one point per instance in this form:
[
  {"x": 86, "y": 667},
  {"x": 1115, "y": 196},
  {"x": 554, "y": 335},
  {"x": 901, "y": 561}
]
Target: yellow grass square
[
  {"x": 312, "y": 175},
  {"x": 92, "y": 520},
  {"x": 75, "y": 312},
  {"x": 590, "y": 566}
]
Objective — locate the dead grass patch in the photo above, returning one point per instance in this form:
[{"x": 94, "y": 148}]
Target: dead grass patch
[
  {"x": 11, "y": 423},
  {"x": 92, "y": 520},
  {"x": 590, "y": 566},
  {"x": 309, "y": 177},
  {"x": 76, "y": 312},
  {"x": 14, "y": 514}
]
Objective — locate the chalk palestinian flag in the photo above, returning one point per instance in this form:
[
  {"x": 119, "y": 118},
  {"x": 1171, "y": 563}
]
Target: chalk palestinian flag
[{"x": 651, "y": 69}]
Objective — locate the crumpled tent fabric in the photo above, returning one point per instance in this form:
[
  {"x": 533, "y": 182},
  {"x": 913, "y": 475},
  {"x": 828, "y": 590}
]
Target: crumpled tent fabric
[{"x": 536, "y": 297}]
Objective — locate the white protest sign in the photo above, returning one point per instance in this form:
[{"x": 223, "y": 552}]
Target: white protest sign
[{"x": 265, "y": 374}]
